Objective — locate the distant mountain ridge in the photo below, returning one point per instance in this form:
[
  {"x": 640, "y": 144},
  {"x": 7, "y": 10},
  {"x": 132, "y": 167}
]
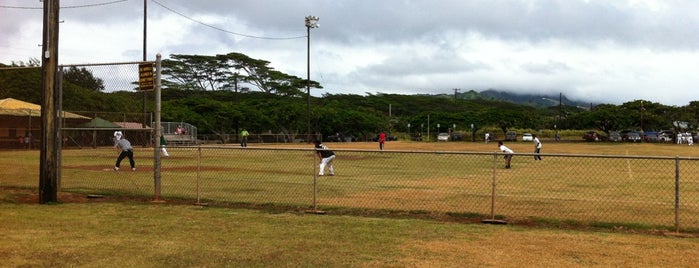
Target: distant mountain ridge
[{"x": 535, "y": 100}]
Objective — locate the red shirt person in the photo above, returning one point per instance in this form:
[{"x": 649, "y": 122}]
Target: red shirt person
[{"x": 382, "y": 140}]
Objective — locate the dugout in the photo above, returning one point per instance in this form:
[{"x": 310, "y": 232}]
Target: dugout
[
  {"x": 20, "y": 127},
  {"x": 20, "y": 124}
]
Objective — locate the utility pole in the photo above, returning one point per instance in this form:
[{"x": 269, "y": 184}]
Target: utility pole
[
  {"x": 456, "y": 90},
  {"x": 145, "y": 57},
  {"x": 50, "y": 134},
  {"x": 642, "y": 109}
]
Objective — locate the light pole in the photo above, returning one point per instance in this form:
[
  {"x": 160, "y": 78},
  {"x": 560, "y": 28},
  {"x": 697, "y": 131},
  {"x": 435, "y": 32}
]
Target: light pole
[{"x": 311, "y": 22}]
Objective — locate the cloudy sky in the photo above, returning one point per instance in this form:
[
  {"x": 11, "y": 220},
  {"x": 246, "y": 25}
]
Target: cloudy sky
[{"x": 603, "y": 51}]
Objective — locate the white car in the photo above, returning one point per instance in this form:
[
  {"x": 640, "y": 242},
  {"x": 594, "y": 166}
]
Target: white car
[
  {"x": 527, "y": 137},
  {"x": 443, "y": 137}
]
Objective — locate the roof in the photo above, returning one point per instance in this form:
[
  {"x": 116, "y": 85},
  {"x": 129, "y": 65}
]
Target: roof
[
  {"x": 100, "y": 123},
  {"x": 132, "y": 125},
  {"x": 13, "y": 107}
]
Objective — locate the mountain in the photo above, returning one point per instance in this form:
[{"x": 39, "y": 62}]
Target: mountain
[{"x": 535, "y": 100}]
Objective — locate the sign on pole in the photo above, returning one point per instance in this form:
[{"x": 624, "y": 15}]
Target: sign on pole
[{"x": 145, "y": 76}]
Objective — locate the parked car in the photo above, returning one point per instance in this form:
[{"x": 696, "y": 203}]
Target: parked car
[
  {"x": 443, "y": 136},
  {"x": 592, "y": 136},
  {"x": 631, "y": 136},
  {"x": 511, "y": 136},
  {"x": 339, "y": 137},
  {"x": 614, "y": 136},
  {"x": 665, "y": 136},
  {"x": 527, "y": 137},
  {"x": 650, "y": 136}
]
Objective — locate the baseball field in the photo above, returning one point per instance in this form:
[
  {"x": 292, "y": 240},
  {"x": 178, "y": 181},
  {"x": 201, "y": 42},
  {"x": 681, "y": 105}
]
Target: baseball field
[{"x": 135, "y": 232}]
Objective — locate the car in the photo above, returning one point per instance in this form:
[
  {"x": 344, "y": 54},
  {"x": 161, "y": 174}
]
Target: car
[
  {"x": 443, "y": 137},
  {"x": 631, "y": 136},
  {"x": 614, "y": 136},
  {"x": 511, "y": 136},
  {"x": 335, "y": 138},
  {"x": 664, "y": 137},
  {"x": 592, "y": 136},
  {"x": 527, "y": 137},
  {"x": 649, "y": 136}
]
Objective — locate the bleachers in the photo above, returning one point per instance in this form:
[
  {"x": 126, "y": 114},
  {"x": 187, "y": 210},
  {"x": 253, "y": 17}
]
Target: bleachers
[{"x": 179, "y": 133}]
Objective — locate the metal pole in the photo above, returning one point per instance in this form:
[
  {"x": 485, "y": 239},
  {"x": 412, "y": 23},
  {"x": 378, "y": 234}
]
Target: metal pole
[
  {"x": 492, "y": 219},
  {"x": 158, "y": 130},
  {"x": 315, "y": 183},
  {"x": 315, "y": 186},
  {"x": 145, "y": 21},
  {"x": 677, "y": 194},
  {"x": 145, "y": 92},
  {"x": 308, "y": 83},
  {"x": 59, "y": 126},
  {"x": 199, "y": 176},
  {"x": 492, "y": 194}
]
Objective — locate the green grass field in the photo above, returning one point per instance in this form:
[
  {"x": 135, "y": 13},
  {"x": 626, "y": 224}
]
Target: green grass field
[
  {"x": 417, "y": 177},
  {"x": 134, "y": 232}
]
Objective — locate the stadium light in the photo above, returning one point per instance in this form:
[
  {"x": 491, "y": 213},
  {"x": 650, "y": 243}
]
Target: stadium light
[{"x": 311, "y": 22}]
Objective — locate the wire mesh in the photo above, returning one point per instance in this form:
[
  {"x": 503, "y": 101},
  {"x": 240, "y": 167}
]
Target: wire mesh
[{"x": 658, "y": 192}]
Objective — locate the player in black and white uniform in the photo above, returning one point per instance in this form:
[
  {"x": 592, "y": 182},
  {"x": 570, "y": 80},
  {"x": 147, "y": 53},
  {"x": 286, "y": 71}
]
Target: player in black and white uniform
[{"x": 326, "y": 159}]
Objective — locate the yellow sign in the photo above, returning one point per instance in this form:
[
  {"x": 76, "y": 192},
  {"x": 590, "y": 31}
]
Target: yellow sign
[{"x": 146, "y": 79}]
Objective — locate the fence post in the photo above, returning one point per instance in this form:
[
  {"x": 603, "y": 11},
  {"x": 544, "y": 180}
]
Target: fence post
[
  {"x": 199, "y": 176},
  {"x": 492, "y": 219},
  {"x": 158, "y": 131},
  {"x": 677, "y": 194},
  {"x": 315, "y": 186}
]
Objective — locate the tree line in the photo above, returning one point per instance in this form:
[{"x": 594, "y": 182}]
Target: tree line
[{"x": 223, "y": 94}]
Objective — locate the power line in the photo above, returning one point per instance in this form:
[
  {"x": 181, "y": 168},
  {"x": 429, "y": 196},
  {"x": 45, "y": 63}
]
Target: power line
[
  {"x": 165, "y": 7},
  {"x": 223, "y": 30},
  {"x": 64, "y": 7}
]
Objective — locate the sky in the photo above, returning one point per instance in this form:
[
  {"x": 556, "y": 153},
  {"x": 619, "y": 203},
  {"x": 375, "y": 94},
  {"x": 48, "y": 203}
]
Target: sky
[{"x": 601, "y": 51}]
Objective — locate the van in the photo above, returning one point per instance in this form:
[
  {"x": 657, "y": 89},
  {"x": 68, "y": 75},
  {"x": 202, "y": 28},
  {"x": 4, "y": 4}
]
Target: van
[{"x": 511, "y": 136}]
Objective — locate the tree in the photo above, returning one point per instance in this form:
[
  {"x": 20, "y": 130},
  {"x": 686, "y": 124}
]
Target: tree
[
  {"x": 265, "y": 78},
  {"x": 228, "y": 72},
  {"x": 83, "y": 78},
  {"x": 194, "y": 72}
]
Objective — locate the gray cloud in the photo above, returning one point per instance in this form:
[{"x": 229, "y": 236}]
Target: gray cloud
[{"x": 597, "y": 50}]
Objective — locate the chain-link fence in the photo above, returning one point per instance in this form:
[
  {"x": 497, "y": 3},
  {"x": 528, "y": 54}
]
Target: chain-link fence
[
  {"x": 20, "y": 121},
  {"x": 655, "y": 192}
]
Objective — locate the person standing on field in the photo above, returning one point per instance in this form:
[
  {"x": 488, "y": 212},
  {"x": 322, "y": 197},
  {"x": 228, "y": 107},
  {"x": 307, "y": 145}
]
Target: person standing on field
[
  {"x": 508, "y": 153},
  {"x": 126, "y": 151},
  {"x": 244, "y": 138},
  {"x": 326, "y": 159},
  {"x": 537, "y": 148},
  {"x": 162, "y": 146},
  {"x": 487, "y": 137},
  {"x": 382, "y": 140}
]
